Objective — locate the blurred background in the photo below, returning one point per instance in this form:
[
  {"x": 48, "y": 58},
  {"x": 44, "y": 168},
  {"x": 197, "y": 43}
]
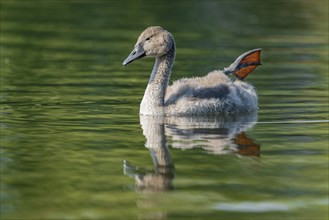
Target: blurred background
[{"x": 69, "y": 112}]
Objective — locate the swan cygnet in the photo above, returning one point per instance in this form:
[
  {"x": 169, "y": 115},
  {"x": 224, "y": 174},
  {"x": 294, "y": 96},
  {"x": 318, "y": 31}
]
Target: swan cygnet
[{"x": 214, "y": 93}]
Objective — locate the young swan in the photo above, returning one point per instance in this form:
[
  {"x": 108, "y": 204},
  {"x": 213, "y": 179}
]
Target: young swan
[{"x": 214, "y": 93}]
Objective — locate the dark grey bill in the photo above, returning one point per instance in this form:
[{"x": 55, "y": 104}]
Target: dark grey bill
[{"x": 136, "y": 54}]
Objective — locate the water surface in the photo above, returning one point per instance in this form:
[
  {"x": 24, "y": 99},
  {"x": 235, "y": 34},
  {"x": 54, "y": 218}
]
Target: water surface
[{"x": 74, "y": 147}]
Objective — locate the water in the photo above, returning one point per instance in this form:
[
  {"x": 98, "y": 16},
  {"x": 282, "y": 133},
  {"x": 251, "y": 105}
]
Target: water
[{"x": 74, "y": 147}]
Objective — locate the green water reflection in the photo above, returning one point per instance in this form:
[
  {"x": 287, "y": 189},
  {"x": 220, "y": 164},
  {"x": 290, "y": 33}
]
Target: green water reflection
[{"x": 69, "y": 113}]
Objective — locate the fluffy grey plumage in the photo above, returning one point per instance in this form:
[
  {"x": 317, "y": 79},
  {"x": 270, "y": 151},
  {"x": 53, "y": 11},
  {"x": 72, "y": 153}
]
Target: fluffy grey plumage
[{"x": 214, "y": 93}]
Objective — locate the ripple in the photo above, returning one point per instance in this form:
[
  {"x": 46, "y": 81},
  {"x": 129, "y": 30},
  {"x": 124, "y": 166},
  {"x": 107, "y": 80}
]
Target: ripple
[
  {"x": 252, "y": 207},
  {"x": 294, "y": 122}
]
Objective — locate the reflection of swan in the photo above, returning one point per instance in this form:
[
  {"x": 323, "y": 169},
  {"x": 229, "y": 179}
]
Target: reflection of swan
[
  {"x": 214, "y": 134},
  {"x": 161, "y": 179},
  {"x": 212, "y": 94},
  {"x": 217, "y": 135}
]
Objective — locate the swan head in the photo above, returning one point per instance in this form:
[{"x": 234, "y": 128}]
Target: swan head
[{"x": 154, "y": 41}]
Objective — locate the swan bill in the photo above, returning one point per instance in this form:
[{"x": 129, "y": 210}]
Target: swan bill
[{"x": 136, "y": 54}]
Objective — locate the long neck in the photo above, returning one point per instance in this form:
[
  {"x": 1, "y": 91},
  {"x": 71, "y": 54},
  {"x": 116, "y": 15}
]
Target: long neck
[{"x": 153, "y": 100}]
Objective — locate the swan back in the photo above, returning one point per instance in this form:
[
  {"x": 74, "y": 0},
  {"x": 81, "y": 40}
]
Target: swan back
[{"x": 214, "y": 93}]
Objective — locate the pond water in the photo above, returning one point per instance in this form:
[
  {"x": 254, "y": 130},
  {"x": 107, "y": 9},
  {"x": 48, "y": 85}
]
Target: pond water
[{"x": 74, "y": 147}]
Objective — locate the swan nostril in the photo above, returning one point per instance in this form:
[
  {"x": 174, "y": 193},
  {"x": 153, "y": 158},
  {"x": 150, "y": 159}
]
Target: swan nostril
[{"x": 135, "y": 51}]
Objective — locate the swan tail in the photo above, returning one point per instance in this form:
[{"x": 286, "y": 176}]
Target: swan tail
[{"x": 244, "y": 64}]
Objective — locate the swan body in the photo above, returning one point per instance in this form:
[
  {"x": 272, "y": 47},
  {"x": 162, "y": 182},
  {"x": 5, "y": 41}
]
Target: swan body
[{"x": 214, "y": 93}]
